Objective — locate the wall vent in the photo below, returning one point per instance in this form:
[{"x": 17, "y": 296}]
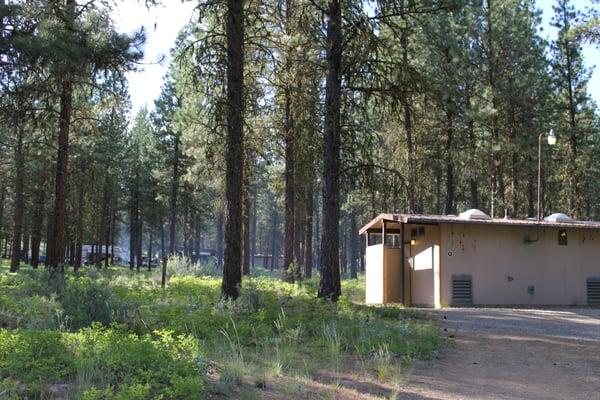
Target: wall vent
[
  {"x": 593, "y": 291},
  {"x": 462, "y": 290}
]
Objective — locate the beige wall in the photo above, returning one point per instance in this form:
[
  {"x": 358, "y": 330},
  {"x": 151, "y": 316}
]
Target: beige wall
[
  {"x": 423, "y": 260},
  {"x": 503, "y": 267}
]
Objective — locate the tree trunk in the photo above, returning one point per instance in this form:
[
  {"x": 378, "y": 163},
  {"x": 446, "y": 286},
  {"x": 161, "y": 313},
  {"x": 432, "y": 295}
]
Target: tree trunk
[
  {"x": 26, "y": 241},
  {"x": 55, "y": 253},
  {"x": 246, "y": 219},
  {"x": 343, "y": 242},
  {"x": 408, "y": 126},
  {"x": 220, "y": 240},
  {"x": 253, "y": 240},
  {"x": 308, "y": 230},
  {"x": 354, "y": 244},
  {"x": 173, "y": 199},
  {"x": 2, "y": 203},
  {"x": 79, "y": 231},
  {"x": 19, "y": 202},
  {"x": 290, "y": 195},
  {"x": 113, "y": 234},
  {"x": 162, "y": 234},
  {"x": 317, "y": 250},
  {"x": 107, "y": 237},
  {"x": 139, "y": 261},
  {"x": 232, "y": 274},
  {"x": 132, "y": 235},
  {"x": 274, "y": 238},
  {"x": 38, "y": 220},
  {"x": 449, "y": 207},
  {"x": 329, "y": 285},
  {"x": 150, "y": 249}
]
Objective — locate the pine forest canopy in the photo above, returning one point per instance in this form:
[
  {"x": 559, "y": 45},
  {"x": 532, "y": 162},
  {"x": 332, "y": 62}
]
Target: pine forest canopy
[{"x": 282, "y": 126}]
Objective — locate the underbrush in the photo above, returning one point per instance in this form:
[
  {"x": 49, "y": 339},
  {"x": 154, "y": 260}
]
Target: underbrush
[{"x": 116, "y": 334}]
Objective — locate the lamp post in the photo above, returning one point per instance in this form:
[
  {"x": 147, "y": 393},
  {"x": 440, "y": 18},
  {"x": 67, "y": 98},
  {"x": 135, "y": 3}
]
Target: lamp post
[{"x": 551, "y": 141}]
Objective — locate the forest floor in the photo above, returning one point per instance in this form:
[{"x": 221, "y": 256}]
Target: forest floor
[
  {"x": 115, "y": 334},
  {"x": 512, "y": 354}
]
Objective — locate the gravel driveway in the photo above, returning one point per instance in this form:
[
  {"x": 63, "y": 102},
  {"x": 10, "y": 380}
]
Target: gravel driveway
[{"x": 513, "y": 354}]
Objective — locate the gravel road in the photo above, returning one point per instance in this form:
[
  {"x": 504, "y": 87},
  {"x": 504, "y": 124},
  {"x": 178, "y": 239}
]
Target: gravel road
[{"x": 513, "y": 354}]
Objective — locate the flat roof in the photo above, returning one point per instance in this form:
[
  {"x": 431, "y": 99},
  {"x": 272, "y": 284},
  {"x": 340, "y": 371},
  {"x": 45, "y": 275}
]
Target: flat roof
[{"x": 376, "y": 223}]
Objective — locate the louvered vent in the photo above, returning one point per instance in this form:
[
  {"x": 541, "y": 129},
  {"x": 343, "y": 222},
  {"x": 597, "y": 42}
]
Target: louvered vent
[
  {"x": 593, "y": 291},
  {"x": 462, "y": 290}
]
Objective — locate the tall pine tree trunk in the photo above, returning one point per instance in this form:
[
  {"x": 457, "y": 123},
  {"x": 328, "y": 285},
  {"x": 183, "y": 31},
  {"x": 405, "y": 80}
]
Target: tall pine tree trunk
[
  {"x": 274, "y": 237},
  {"x": 19, "y": 202},
  {"x": 308, "y": 232},
  {"x": 2, "y": 201},
  {"x": 220, "y": 240},
  {"x": 55, "y": 254},
  {"x": 232, "y": 273},
  {"x": 173, "y": 199},
  {"x": 329, "y": 285},
  {"x": 253, "y": 240},
  {"x": 138, "y": 256},
  {"x": 353, "y": 245},
  {"x": 449, "y": 207},
  {"x": 246, "y": 219},
  {"x": 290, "y": 195},
  {"x": 38, "y": 220}
]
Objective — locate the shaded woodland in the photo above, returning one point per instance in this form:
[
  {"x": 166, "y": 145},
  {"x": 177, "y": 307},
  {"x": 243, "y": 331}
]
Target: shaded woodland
[{"x": 282, "y": 127}]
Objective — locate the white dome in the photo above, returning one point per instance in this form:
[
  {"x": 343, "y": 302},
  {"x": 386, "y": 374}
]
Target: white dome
[
  {"x": 473, "y": 213},
  {"x": 558, "y": 217}
]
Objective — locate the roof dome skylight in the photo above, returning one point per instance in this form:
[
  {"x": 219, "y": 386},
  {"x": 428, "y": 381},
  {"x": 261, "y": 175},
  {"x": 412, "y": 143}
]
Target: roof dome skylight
[{"x": 473, "y": 213}]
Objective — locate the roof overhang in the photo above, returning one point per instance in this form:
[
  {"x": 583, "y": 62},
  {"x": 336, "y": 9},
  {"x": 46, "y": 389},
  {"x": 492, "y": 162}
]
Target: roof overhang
[{"x": 394, "y": 221}]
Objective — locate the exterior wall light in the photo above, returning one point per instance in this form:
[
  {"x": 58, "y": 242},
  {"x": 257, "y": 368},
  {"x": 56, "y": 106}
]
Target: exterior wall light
[
  {"x": 413, "y": 242},
  {"x": 551, "y": 137}
]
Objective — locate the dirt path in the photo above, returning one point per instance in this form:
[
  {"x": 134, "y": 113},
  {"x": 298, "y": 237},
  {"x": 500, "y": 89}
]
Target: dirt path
[{"x": 513, "y": 354}]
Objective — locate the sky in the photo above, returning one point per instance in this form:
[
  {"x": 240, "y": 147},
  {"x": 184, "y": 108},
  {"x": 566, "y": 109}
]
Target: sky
[{"x": 162, "y": 23}]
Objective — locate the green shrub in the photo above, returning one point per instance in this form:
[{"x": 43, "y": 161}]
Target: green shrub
[
  {"x": 86, "y": 301},
  {"x": 35, "y": 358}
]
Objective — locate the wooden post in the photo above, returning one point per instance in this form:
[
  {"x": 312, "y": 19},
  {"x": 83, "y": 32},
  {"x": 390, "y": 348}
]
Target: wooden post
[{"x": 402, "y": 265}]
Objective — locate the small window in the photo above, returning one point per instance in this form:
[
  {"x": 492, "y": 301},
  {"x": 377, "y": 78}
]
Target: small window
[
  {"x": 418, "y": 231},
  {"x": 562, "y": 237}
]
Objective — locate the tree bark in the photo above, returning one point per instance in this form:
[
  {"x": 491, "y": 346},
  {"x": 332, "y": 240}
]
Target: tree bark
[
  {"x": 408, "y": 125},
  {"x": 253, "y": 240},
  {"x": 353, "y": 245},
  {"x": 2, "y": 202},
  {"x": 317, "y": 250},
  {"x": 139, "y": 259},
  {"x": 55, "y": 254},
  {"x": 330, "y": 285},
  {"x": 449, "y": 206},
  {"x": 232, "y": 274},
  {"x": 150, "y": 249},
  {"x": 274, "y": 237},
  {"x": 173, "y": 199},
  {"x": 220, "y": 240},
  {"x": 308, "y": 232},
  {"x": 290, "y": 195},
  {"x": 19, "y": 202},
  {"x": 246, "y": 219},
  {"x": 38, "y": 220}
]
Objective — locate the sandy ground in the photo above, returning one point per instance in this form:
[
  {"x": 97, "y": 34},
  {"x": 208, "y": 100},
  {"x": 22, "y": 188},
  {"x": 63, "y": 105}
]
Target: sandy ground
[
  {"x": 490, "y": 354},
  {"x": 512, "y": 354}
]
